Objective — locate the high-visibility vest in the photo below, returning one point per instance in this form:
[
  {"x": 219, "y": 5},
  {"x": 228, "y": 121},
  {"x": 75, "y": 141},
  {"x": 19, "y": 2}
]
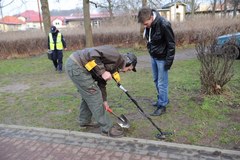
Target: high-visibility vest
[{"x": 59, "y": 44}]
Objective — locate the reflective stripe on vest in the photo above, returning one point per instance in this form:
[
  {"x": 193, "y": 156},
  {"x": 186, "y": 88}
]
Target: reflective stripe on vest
[{"x": 59, "y": 44}]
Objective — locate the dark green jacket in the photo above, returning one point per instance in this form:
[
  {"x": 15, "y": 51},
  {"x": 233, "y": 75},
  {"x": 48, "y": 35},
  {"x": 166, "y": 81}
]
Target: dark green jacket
[{"x": 107, "y": 59}]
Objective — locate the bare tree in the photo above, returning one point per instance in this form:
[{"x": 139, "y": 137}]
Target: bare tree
[
  {"x": 87, "y": 23},
  {"x": 235, "y": 6},
  {"x": 127, "y": 6},
  {"x": 194, "y": 5},
  {"x": 214, "y": 7},
  {"x": 225, "y": 7},
  {"x": 223, "y": 4},
  {"x": 155, "y": 3},
  {"x": 46, "y": 16},
  {"x": 2, "y": 5},
  {"x": 108, "y": 5},
  {"x": 144, "y": 4}
]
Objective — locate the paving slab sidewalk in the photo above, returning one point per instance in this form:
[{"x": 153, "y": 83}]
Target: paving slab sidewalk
[{"x": 30, "y": 143}]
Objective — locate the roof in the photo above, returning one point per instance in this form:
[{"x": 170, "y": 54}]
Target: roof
[
  {"x": 168, "y": 5},
  {"x": 92, "y": 15},
  {"x": 57, "y": 17},
  {"x": 30, "y": 16},
  {"x": 11, "y": 20},
  {"x": 229, "y": 35}
]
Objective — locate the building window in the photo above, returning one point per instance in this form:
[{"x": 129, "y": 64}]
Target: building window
[{"x": 178, "y": 17}]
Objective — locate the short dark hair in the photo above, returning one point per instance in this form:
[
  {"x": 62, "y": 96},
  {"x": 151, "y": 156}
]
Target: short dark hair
[{"x": 144, "y": 14}]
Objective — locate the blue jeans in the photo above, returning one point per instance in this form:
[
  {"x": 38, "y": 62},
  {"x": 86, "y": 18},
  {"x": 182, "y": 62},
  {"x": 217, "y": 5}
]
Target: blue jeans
[{"x": 160, "y": 78}]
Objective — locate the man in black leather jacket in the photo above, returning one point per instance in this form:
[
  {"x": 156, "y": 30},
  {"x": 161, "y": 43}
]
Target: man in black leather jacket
[{"x": 161, "y": 47}]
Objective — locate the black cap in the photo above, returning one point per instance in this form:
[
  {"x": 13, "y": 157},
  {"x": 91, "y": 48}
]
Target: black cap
[
  {"x": 132, "y": 60},
  {"x": 53, "y": 29}
]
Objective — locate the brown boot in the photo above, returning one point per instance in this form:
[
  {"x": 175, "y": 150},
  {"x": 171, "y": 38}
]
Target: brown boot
[
  {"x": 90, "y": 125},
  {"x": 115, "y": 131}
]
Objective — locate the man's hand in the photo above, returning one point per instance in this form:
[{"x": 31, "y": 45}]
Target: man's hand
[
  {"x": 167, "y": 67},
  {"x": 106, "y": 106},
  {"x": 107, "y": 76}
]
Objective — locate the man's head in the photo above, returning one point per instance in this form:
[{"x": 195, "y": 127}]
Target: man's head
[
  {"x": 145, "y": 16},
  {"x": 131, "y": 61},
  {"x": 53, "y": 29}
]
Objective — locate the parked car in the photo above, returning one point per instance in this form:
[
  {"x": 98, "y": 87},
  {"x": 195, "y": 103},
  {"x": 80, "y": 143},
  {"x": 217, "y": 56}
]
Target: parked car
[{"x": 228, "y": 44}]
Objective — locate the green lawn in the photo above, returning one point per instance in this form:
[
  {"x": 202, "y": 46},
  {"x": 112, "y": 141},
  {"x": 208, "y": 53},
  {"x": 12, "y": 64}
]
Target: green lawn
[{"x": 33, "y": 94}]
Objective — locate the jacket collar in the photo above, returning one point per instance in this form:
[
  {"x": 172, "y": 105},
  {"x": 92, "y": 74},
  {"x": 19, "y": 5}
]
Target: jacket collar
[{"x": 156, "y": 16}]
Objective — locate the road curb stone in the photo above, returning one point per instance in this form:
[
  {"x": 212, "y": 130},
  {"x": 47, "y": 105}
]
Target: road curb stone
[{"x": 91, "y": 143}]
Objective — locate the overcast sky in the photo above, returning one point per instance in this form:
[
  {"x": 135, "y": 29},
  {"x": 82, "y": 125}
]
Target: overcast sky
[
  {"x": 19, "y": 6},
  {"x": 11, "y": 7}
]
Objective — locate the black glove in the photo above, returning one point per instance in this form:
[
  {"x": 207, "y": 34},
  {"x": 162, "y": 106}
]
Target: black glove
[{"x": 167, "y": 66}]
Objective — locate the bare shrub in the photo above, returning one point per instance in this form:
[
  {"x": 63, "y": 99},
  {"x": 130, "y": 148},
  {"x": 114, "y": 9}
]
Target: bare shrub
[
  {"x": 121, "y": 31},
  {"x": 186, "y": 32},
  {"x": 216, "y": 68}
]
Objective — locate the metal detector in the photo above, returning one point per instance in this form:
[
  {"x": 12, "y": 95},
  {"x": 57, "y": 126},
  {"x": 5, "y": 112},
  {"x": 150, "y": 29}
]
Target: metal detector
[{"x": 160, "y": 135}]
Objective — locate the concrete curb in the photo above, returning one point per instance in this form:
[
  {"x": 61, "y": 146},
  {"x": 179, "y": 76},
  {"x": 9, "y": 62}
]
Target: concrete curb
[{"x": 128, "y": 140}]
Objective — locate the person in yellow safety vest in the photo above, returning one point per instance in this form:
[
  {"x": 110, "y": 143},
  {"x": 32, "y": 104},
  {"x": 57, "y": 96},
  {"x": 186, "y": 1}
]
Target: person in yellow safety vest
[{"x": 56, "y": 43}]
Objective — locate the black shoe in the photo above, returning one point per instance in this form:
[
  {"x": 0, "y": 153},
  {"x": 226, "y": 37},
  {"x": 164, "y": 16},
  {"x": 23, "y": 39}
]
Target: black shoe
[
  {"x": 154, "y": 104},
  {"x": 158, "y": 111}
]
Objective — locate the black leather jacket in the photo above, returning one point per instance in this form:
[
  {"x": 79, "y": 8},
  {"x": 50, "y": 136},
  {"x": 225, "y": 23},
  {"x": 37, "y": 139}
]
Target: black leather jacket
[{"x": 161, "y": 44}]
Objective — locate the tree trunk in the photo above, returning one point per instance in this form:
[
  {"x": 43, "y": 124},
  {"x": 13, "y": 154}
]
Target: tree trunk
[
  {"x": 46, "y": 16},
  {"x": 87, "y": 24},
  {"x": 144, "y": 4},
  {"x": 192, "y": 7},
  {"x": 235, "y": 7},
  {"x": 214, "y": 7},
  {"x": 225, "y": 8},
  {"x": 110, "y": 9}
]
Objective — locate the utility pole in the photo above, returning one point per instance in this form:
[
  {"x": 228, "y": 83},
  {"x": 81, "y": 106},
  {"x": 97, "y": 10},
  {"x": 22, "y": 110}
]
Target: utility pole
[
  {"x": 1, "y": 8},
  {"x": 2, "y": 14},
  {"x": 40, "y": 20}
]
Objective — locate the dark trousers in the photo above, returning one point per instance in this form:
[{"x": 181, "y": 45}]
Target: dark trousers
[{"x": 57, "y": 58}]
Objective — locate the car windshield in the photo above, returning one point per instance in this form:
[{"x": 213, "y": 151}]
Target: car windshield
[{"x": 221, "y": 41}]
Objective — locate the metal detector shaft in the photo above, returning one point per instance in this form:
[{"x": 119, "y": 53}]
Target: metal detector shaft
[{"x": 135, "y": 102}]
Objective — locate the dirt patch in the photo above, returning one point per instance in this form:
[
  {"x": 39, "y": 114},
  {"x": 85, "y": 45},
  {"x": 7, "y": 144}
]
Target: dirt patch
[
  {"x": 15, "y": 88},
  {"x": 51, "y": 84},
  {"x": 197, "y": 99}
]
